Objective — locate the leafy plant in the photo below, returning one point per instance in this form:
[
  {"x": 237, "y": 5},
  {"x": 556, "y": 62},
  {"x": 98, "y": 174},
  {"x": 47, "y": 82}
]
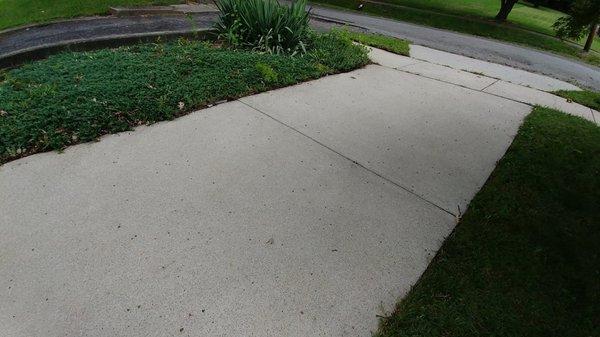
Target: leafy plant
[
  {"x": 584, "y": 16},
  {"x": 264, "y": 25}
]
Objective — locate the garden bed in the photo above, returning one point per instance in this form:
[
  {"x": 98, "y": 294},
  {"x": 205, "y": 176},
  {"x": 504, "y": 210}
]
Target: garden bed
[{"x": 77, "y": 97}]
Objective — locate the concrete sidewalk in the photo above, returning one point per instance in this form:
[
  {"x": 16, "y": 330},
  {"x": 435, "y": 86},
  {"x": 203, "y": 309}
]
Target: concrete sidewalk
[
  {"x": 305, "y": 211},
  {"x": 502, "y": 81}
]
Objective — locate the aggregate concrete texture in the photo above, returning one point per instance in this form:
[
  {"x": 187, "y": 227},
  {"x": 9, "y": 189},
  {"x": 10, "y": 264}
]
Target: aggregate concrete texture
[
  {"x": 221, "y": 223},
  {"x": 437, "y": 140}
]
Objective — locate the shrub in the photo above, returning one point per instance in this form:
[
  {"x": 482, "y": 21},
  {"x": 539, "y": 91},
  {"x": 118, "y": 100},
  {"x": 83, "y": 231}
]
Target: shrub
[{"x": 264, "y": 25}]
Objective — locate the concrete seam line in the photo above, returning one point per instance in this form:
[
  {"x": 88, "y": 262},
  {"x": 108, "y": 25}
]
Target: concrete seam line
[
  {"x": 489, "y": 85},
  {"x": 410, "y": 64},
  {"x": 461, "y": 86},
  {"x": 351, "y": 160}
]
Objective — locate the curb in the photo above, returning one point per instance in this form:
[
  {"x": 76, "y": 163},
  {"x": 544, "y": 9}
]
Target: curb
[
  {"x": 126, "y": 11},
  {"x": 181, "y": 9},
  {"x": 50, "y": 22},
  {"x": 39, "y": 52}
]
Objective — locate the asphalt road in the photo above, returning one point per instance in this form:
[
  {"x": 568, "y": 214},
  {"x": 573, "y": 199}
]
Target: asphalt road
[
  {"x": 476, "y": 47},
  {"x": 480, "y": 48}
]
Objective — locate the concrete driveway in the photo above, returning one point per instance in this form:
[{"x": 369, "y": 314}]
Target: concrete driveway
[{"x": 305, "y": 211}]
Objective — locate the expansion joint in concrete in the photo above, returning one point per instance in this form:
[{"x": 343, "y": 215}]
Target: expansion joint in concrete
[{"x": 355, "y": 162}]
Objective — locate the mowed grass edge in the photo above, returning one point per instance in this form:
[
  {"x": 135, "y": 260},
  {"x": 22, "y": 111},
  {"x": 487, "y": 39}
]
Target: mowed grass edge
[
  {"x": 524, "y": 260},
  {"x": 388, "y": 43},
  {"x": 587, "y": 98}
]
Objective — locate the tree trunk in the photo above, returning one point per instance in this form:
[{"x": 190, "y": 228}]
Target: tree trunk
[
  {"x": 591, "y": 36},
  {"x": 505, "y": 7}
]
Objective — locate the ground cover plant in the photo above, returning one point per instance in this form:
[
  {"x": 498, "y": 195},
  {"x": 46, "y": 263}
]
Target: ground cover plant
[
  {"x": 524, "y": 260},
  {"x": 21, "y": 12},
  {"x": 444, "y": 17},
  {"x": 588, "y": 98},
  {"x": 78, "y": 96}
]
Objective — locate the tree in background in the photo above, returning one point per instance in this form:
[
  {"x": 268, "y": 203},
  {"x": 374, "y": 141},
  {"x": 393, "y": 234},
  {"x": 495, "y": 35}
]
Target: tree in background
[
  {"x": 583, "y": 17},
  {"x": 505, "y": 7},
  {"x": 537, "y": 3},
  {"x": 559, "y": 5}
]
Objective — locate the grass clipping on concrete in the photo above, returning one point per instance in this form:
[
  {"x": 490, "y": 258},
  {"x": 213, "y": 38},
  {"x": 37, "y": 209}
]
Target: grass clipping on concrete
[
  {"x": 525, "y": 259},
  {"x": 78, "y": 96},
  {"x": 587, "y": 98}
]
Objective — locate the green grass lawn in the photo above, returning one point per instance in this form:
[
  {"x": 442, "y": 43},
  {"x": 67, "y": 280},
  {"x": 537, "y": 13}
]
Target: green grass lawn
[
  {"x": 588, "y": 98},
  {"x": 525, "y": 259},
  {"x": 78, "y": 96},
  {"x": 537, "y": 19},
  {"x": 523, "y": 14},
  {"x": 393, "y": 45},
  {"x": 21, "y": 12},
  {"x": 474, "y": 20}
]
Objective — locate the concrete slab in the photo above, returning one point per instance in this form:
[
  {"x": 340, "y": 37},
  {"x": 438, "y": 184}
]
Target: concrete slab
[
  {"x": 221, "y": 223},
  {"x": 435, "y": 139},
  {"x": 504, "y": 73},
  {"x": 450, "y": 75},
  {"x": 536, "y": 97},
  {"x": 390, "y": 60},
  {"x": 431, "y": 70}
]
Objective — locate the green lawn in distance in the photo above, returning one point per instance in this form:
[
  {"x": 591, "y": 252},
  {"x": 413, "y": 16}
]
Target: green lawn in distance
[
  {"x": 391, "y": 44},
  {"x": 474, "y": 25},
  {"x": 21, "y": 12}
]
